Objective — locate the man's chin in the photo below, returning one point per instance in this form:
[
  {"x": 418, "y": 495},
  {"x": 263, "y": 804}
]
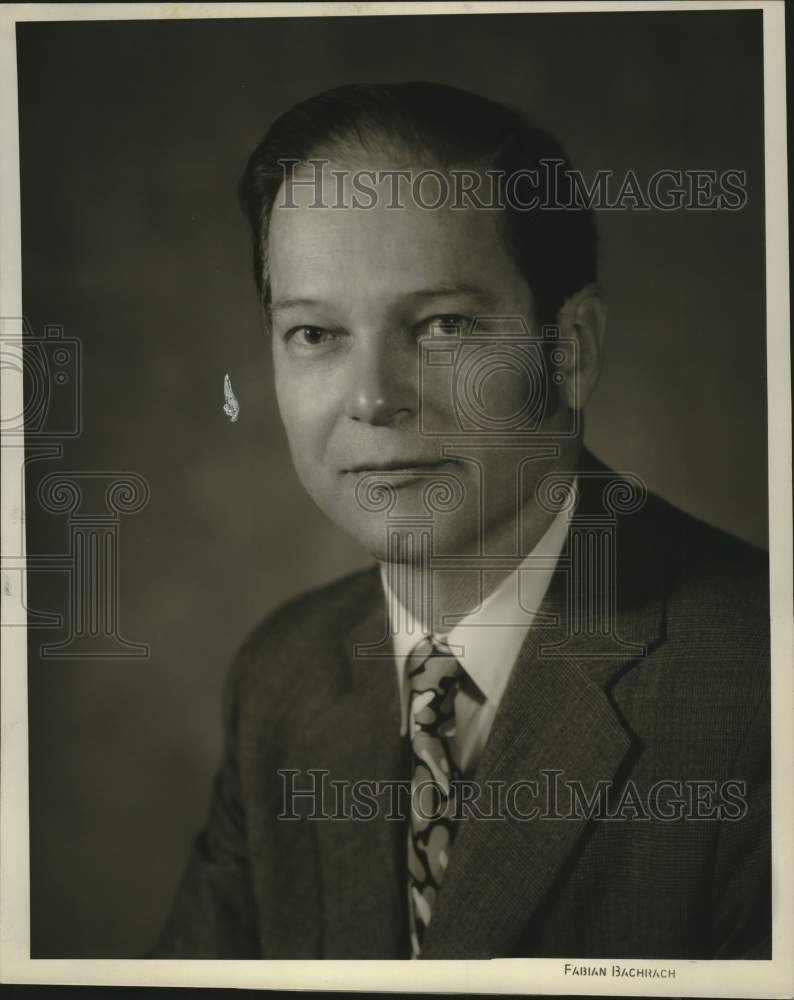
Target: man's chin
[{"x": 405, "y": 542}]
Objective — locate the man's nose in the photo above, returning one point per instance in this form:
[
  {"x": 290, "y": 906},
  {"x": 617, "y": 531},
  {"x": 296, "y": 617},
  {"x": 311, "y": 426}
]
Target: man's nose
[{"x": 381, "y": 385}]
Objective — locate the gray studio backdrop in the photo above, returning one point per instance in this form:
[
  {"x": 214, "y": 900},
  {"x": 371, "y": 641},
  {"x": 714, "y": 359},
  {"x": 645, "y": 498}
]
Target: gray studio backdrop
[{"x": 133, "y": 136}]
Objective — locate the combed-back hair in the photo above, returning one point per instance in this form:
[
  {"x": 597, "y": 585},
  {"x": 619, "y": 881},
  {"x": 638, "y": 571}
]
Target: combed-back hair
[{"x": 446, "y": 128}]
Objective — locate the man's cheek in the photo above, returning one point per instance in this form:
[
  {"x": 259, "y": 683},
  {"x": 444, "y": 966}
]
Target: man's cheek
[
  {"x": 507, "y": 393},
  {"x": 308, "y": 436},
  {"x": 312, "y": 477},
  {"x": 302, "y": 424}
]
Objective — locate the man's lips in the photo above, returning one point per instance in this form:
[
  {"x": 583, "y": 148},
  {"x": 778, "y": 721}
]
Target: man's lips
[{"x": 397, "y": 465}]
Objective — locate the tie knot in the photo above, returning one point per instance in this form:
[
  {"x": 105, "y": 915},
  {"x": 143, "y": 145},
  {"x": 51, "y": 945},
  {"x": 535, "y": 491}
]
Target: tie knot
[{"x": 433, "y": 668}]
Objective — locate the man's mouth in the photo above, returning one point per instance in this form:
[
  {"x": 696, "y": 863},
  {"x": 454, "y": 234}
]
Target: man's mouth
[{"x": 408, "y": 466}]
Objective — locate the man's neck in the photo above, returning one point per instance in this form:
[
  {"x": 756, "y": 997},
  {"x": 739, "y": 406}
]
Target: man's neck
[{"x": 437, "y": 597}]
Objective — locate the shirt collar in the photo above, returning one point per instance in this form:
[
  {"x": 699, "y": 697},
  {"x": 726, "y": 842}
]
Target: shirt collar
[{"x": 487, "y": 641}]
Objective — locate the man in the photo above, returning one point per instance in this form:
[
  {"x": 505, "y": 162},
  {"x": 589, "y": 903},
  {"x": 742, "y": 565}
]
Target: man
[{"x": 567, "y": 676}]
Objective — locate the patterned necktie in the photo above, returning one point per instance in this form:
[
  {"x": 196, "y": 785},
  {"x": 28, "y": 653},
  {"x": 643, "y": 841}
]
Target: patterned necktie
[{"x": 434, "y": 675}]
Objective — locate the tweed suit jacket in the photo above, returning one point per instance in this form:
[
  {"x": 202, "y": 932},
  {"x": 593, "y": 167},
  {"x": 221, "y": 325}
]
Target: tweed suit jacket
[{"x": 667, "y": 681}]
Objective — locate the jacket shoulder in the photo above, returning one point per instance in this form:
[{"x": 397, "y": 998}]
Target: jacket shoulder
[
  {"x": 702, "y": 687},
  {"x": 694, "y": 557},
  {"x": 717, "y": 629},
  {"x": 726, "y": 574},
  {"x": 299, "y": 646},
  {"x": 317, "y": 613}
]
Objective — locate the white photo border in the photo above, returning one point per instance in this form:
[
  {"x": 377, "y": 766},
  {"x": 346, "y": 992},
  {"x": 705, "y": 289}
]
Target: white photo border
[{"x": 709, "y": 978}]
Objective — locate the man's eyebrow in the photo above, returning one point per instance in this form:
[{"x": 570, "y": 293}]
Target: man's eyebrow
[
  {"x": 281, "y": 304},
  {"x": 464, "y": 288}
]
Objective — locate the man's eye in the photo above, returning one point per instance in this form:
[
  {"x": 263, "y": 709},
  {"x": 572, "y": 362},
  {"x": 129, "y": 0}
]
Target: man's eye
[
  {"x": 448, "y": 323},
  {"x": 309, "y": 336}
]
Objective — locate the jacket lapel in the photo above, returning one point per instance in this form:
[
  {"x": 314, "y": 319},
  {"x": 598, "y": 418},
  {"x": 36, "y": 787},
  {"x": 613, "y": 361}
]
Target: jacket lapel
[{"x": 553, "y": 719}]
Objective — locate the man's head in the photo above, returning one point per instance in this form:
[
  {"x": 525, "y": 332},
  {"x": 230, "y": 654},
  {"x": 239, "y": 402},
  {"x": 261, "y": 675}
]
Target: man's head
[{"x": 352, "y": 284}]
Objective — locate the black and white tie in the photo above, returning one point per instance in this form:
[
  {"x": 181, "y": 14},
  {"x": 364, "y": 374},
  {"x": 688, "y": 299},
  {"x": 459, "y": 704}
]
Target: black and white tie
[{"x": 434, "y": 675}]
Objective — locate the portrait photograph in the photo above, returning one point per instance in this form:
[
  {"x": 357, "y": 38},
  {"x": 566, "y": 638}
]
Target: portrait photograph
[{"x": 396, "y": 446}]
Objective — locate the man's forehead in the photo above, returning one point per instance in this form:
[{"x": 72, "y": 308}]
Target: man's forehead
[
  {"x": 389, "y": 255},
  {"x": 325, "y": 243}
]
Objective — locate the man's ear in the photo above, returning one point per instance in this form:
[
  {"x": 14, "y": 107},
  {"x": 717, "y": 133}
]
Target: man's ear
[{"x": 583, "y": 319}]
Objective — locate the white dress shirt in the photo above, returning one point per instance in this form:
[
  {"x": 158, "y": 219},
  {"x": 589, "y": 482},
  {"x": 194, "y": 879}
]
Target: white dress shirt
[{"x": 486, "y": 641}]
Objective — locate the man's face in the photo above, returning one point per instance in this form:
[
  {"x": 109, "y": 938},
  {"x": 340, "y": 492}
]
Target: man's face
[{"x": 353, "y": 291}]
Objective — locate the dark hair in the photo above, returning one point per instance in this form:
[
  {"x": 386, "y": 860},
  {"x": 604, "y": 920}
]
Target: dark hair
[{"x": 555, "y": 247}]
